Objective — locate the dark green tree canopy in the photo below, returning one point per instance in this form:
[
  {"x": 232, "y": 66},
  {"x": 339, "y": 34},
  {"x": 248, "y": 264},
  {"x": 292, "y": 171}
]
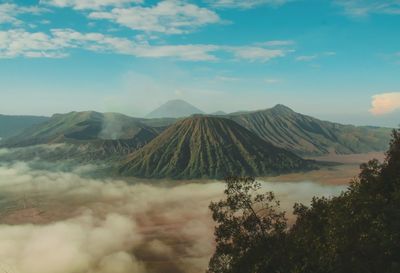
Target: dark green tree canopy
[{"x": 355, "y": 232}]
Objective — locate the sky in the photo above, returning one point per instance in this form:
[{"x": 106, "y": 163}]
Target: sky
[{"x": 336, "y": 60}]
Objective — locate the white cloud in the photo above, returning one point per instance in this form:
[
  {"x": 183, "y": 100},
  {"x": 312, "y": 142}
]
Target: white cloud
[
  {"x": 88, "y": 4},
  {"x": 272, "y": 80},
  {"x": 277, "y": 43},
  {"x": 171, "y": 17},
  {"x": 329, "y": 53},
  {"x": 9, "y": 13},
  {"x": 64, "y": 223},
  {"x": 360, "y": 8},
  {"x": 61, "y": 222},
  {"x": 306, "y": 58},
  {"x": 245, "y": 4},
  {"x": 254, "y": 53},
  {"x": 184, "y": 52},
  {"x": 15, "y": 43},
  {"x": 385, "y": 103},
  {"x": 227, "y": 79}
]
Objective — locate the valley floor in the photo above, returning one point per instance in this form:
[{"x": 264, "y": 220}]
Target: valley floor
[{"x": 340, "y": 174}]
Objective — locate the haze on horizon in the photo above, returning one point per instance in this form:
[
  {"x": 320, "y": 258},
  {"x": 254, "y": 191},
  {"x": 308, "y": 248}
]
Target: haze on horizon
[{"x": 335, "y": 60}]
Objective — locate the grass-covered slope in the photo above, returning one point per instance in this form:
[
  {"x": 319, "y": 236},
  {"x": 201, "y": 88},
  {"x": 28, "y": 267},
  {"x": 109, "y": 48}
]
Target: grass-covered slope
[
  {"x": 209, "y": 147},
  {"x": 14, "y": 125},
  {"x": 82, "y": 126},
  {"x": 305, "y": 135}
]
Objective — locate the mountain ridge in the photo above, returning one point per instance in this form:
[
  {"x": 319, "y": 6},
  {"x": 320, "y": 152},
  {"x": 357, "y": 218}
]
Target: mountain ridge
[
  {"x": 11, "y": 125},
  {"x": 209, "y": 147},
  {"x": 309, "y": 136}
]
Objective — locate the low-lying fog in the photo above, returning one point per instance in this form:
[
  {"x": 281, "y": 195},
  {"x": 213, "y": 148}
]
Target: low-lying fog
[{"x": 64, "y": 222}]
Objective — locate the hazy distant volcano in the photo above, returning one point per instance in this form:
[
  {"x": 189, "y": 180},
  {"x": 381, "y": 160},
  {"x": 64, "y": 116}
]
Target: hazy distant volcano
[
  {"x": 209, "y": 147},
  {"x": 175, "y": 109}
]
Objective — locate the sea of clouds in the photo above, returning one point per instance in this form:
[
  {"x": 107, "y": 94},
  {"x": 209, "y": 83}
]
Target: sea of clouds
[{"x": 53, "y": 221}]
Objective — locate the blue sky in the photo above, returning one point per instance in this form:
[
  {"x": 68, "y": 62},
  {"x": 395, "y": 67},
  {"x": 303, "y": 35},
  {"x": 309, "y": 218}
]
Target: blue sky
[{"x": 336, "y": 60}]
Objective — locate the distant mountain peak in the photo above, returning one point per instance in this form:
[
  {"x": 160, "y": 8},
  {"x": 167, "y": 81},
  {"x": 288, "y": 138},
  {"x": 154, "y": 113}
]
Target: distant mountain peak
[
  {"x": 282, "y": 108},
  {"x": 218, "y": 113},
  {"x": 175, "y": 109}
]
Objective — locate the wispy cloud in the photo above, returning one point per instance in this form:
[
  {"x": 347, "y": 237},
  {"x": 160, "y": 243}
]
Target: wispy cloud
[
  {"x": 256, "y": 54},
  {"x": 277, "y": 43},
  {"x": 171, "y": 17},
  {"x": 385, "y": 103},
  {"x": 309, "y": 58},
  {"x": 245, "y": 4},
  {"x": 227, "y": 79},
  {"x": 9, "y": 13},
  {"x": 88, "y": 4},
  {"x": 272, "y": 80},
  {"x": 15, "y": 43},
  {"x": 306, "y": 58},
  {"x": 360, "y": 8}
]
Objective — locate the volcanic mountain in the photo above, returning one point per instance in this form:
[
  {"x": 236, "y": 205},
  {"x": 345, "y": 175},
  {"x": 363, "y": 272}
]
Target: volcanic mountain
[
  {"x": 82, "y": 126},
  {"x": 14, "y": 125},
  {"x": 305, "y": 135},
  {"x": 209, "y": 147},
  {"x": 175, "y": 109},
  {"x": 88, "y": 136}
]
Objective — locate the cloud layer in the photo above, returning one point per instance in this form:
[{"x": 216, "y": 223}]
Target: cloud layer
[
  {"x": 245, "y": 4},
  {"x": 84, "y": 225},
  {"x": 171, "y": 17},
  {"x": 9, "y": 13},
  {"x": 359, "y": 8},
  {"x": 88, "y": 4},
  {"x": 59, "y": 222},
  {"x": 385, "y": 103},
  {"x": 14, "y": 43}
]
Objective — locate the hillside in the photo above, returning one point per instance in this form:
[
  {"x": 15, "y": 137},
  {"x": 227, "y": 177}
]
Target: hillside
[
  {"x": 14, "y": 125},
  {"x": 174, "y": 109},
  {"x": 209, "y": 147},
  {"x": 305, "y": 135},
  {"x": 81, "y": 126}
]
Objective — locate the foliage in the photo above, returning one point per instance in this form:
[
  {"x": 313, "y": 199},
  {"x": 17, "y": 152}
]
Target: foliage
[
  {"x": 248, "y": 223},
  {"x": 357, "y": 232}
]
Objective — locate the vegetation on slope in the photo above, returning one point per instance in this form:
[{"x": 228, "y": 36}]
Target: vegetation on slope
[
  {"x": 357, "y": 232},
  {"x": 13, "y": 125},
  {"x": 82, "y": 126},
  {"x": 305, "y": 135},
  {"x": 209, "y": 147}
]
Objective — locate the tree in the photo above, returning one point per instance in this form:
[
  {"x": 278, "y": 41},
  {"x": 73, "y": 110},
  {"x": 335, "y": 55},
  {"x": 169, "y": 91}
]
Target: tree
[
  {"x": 355, "y": 232},
  {"x": 248, "y": 225}
]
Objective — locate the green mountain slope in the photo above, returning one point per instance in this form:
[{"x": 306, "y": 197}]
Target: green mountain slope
[
  {"x": 14, "y": 125},
  {"x": 209, "y": 147},
  {"x": 83, "y": 127},
  {"x": 305, "y": 135}
]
